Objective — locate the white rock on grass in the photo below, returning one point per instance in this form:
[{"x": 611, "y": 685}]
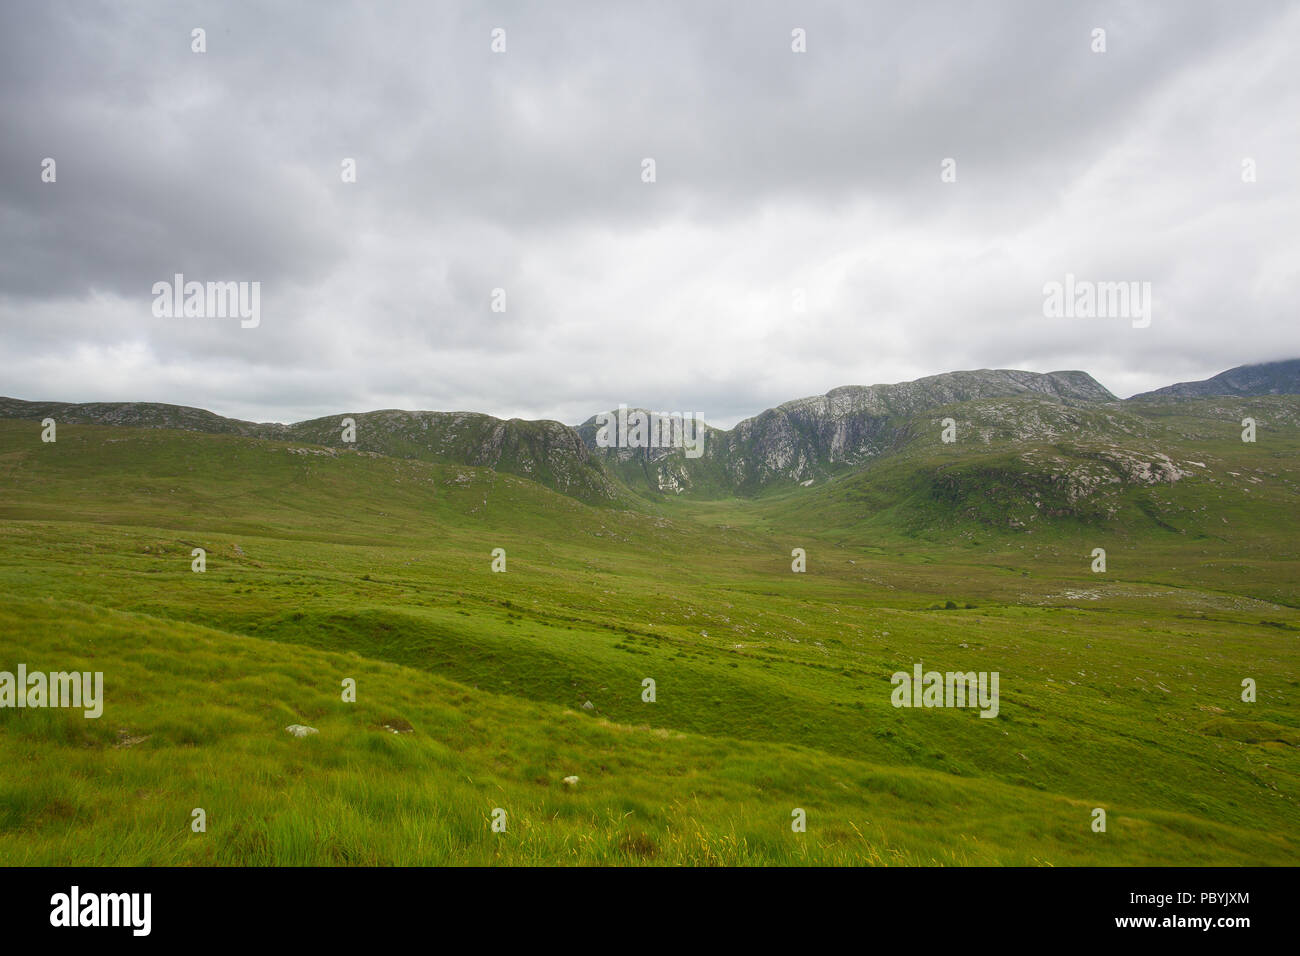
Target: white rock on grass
[
  {"x": 301, "y": 730},
  {"x": 588, "y": 706},
  {"x": 570, "y": 781}
]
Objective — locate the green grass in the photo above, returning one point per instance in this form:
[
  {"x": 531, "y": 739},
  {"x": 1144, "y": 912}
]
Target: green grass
[{"x": 1119, "y": 690}]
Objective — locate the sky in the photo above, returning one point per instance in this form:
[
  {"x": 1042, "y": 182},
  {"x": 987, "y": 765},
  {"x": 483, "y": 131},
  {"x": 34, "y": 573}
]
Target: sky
[{"x": 803, "y": 230}]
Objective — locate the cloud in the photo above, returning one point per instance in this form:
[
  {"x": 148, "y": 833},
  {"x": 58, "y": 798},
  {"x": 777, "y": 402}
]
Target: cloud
[{"x": 776, "y": 172}]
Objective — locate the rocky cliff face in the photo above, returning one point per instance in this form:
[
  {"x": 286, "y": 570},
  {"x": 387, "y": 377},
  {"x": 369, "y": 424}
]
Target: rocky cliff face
[
  {"x": 1269, "y": 378},
  {"x": 808, "y": 439},
  {"x": 545, "y": 451}
]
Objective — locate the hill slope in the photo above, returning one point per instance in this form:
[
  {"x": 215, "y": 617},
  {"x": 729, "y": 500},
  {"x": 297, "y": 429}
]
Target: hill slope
[{"x": 544, "y": 451}]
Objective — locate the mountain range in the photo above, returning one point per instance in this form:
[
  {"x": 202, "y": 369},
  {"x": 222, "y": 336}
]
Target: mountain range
[{"x": 797, "y": 443}]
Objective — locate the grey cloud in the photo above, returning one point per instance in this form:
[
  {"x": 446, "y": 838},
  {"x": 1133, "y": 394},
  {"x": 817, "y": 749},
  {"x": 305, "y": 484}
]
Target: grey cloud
[{"x": 522, "y": 171}]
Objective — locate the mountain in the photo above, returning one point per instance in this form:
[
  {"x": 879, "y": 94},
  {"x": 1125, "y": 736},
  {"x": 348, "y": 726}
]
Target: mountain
[
  {"x": 1267, "y": 378},
  {"x": 809, "y": 439},
  {"x": 544, "y": 451},
  {"x": 1042, "y": 470},
  {"x": 139, "y": 415},
  {"x": 805, "y": 438},
  {"x": 547, "y": 452}
]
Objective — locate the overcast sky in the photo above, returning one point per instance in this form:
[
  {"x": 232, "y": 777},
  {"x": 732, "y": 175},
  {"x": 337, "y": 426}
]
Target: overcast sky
[{"x": 522, "y": 170}]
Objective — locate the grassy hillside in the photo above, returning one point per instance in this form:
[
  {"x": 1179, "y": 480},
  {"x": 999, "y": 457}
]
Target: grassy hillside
[
  {"x": 1173, "y": 495},
  {"x": 1119, "y": 690}
]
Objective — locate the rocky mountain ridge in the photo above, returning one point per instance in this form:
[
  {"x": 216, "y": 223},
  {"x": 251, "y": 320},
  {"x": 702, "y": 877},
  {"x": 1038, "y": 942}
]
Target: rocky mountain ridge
[
  {"x": 800, "y": 442},
  {"x": 1267, "y": 378},
  {"x": 811, "y": 438}
]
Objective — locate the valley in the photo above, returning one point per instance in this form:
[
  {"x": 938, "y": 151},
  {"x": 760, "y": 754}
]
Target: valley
[{"x": 479, "y": 691}]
